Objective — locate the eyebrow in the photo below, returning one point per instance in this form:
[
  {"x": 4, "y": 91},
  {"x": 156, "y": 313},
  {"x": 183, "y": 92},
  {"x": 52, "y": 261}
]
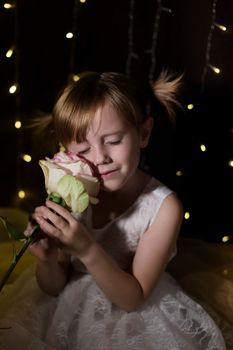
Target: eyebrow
[
  {"x": 118, "y": 133},
  {"x": 113, "y": 133}
]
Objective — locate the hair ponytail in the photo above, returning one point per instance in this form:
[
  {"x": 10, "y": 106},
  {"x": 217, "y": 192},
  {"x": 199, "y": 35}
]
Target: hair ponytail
[{"x": 165, "y": 89}]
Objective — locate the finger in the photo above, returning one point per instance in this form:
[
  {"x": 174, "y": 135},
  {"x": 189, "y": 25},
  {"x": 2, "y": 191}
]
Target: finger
[
  {"x": 59, "y": 210},
  {"x": 29, "y": 229},
  {"x": 44, "y": 242},
  {"x": 53, "y": 218},
  {"x": 49, "y": 227}
]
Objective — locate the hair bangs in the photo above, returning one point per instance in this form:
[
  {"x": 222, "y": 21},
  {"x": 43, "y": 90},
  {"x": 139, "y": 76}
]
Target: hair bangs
[{"x": 73, "y": 114}]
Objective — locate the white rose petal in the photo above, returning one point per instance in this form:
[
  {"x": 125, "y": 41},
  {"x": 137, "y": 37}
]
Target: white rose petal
[
  {"x": 72, "y": 178},
  {"x": 52, "y": 175}
]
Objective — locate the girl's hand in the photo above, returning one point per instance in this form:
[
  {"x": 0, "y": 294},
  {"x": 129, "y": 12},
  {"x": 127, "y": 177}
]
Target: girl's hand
[
  {"x": 43, "y": 248},
  {"x": 59, "y": 224}
]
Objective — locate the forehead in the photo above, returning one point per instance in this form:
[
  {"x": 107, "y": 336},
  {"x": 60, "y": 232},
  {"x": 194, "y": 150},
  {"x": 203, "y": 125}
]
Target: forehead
[{"x": 106, "y": 120}]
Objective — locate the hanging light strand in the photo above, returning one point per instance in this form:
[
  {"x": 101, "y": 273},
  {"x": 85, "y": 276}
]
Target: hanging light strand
[
  {"x": 74, "y": 41},
  {"x": 152, "y": 50},
  {"x": 15, "y": 89},
  {"x": 208, "y": 46},
  {"x": 17, "y": 64},
  {"x": 131, "y": 53}
]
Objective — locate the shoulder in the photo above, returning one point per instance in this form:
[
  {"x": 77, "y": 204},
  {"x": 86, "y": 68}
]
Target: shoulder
[
  {"x": 159, "y": 198},
  {"x": 157, "y": 189},
  {"x": 169, "y": 217},
  {"x": 172, "y": 205}
]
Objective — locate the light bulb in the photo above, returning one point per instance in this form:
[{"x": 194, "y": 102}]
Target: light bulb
[
  {"x": 21, "y": 194},
  {"x": 18, "y": 124}
]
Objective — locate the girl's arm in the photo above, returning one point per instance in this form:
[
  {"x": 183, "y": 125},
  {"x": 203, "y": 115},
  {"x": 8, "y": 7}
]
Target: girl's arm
[
  {"x": 52, "y": 263},
  {"x": 127, "y": 290},
  {"x": 130, "y": 291},
  {"x": 52, "y": 275}
]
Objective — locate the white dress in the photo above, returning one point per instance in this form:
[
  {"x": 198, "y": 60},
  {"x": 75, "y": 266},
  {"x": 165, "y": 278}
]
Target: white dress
[{"x": 82, "y": 318}]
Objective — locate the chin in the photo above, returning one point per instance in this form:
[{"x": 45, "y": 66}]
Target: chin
[{"x": 112, "y": 186}]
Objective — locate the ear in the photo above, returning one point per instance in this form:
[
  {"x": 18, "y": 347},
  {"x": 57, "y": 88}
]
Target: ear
[{"x": 145, "y": 131}]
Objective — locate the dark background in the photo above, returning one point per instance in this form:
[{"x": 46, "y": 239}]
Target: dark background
[{"x": 186, "y": 41}]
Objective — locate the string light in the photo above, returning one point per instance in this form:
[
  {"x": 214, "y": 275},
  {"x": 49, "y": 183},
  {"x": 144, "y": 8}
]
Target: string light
[
  {"x": 187, "y": 215},
  {"x": 230, "y": 163},
  {"x": 215, "y": 69},
  {"x": 21, "y": 194},
  {"x": 69, "y": 35},
  {"x": 208, "y": 65},
  {"x": 221, "y": 27},
  {"x": 10, "y": 52},
  {"x": 190, "y": 106},
  {"x": 131, "y": 53},
  {"x": 152, "y": 50},
  {"x": 225, "y": 239},
  {"x": 166, "y": 9},
  {"x": 13, "y": 89},
  {"x": 27, "y": 158},
  {"x": 8, "y": 6},
  {"x": 75, "y": 77},
  {"x": 203, "y": 148},
  {"x": 72, "y": 75},
  {"x": 179, "y": 173},
  {"x": 18, "y": 124}
]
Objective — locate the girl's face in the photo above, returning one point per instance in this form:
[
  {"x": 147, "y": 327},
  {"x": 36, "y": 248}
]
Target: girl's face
[{"x": 112, "y": 147}]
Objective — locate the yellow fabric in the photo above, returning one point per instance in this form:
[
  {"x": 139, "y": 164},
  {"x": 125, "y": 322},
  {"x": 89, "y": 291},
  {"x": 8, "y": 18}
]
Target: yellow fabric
[
  {"x": 6, "y": 257},
  {"x": 18, "y": 218},
  {"x": 205, "y": 271}
]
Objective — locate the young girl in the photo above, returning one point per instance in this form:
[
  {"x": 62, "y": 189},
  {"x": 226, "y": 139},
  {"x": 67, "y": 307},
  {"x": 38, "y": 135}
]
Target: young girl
[{"x": 103, "y": 274}]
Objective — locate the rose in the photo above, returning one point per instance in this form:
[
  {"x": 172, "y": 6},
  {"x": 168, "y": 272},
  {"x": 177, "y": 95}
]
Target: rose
[{"x": 71, "y": 178}]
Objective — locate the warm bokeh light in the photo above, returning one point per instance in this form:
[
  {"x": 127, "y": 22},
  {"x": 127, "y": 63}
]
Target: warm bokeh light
[
  {"x": 13, "y": 89},
  {"x": 203, "y": 148},
  {"x": 10, "y": 52},
  {"x": 21, "y": 194},
  {"x": 18, "y": 124},
  {"x": 215, "y": 69},
  {"x": 221, "y": 27},
  {"x": 75, "y": 77},
  {"x": 69, "y": 35},
  {"x": 190, "y": 106},
  {"x": 8, "y": 6},
  {"x": 27, "y": 158},
  {"x": 225, "y": 239}
]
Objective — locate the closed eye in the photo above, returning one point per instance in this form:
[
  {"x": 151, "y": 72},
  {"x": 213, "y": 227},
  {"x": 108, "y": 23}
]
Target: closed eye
[
  {"x": 116, "y": 142},
  {"x": 85, "y": 151}
]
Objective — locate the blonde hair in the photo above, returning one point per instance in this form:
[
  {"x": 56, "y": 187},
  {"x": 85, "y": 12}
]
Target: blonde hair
[{"x": 78, "y": 102}]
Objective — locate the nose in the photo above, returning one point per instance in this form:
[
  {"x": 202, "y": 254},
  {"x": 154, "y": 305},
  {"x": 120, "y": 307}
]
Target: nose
[{"x": 101, "y": 156}]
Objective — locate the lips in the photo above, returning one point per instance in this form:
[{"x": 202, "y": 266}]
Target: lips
[{"x": 107, "y": 173}]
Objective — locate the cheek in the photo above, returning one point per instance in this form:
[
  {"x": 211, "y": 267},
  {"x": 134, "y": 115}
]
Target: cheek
[{"x": 132, "y": 155}]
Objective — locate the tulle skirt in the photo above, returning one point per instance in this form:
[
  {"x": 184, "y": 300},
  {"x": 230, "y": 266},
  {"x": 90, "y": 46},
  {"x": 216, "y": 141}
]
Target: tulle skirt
[{"x": 82, "y": 318}]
